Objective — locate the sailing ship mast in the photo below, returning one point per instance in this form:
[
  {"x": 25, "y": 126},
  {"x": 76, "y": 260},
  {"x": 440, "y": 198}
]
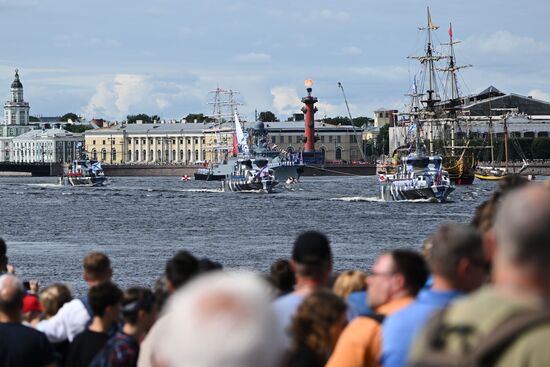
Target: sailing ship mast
[
  {"x": 428, "y": 66},
  {"x": 224, "y": 109},
  {"x": 451, "y": 86}
]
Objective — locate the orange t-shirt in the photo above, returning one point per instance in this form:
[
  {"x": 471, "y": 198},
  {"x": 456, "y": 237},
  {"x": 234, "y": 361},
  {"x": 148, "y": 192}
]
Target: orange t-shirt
[{"x": 360, "y": 342}]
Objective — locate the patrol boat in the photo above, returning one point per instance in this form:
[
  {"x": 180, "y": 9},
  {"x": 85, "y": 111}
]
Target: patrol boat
[
  {"x": 85, "y": 172},
  {"x": 418, "y": 177},
  {"x": 250, "y": 175}
]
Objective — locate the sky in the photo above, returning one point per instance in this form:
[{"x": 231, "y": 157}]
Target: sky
[{"x": 108, "y": 59}]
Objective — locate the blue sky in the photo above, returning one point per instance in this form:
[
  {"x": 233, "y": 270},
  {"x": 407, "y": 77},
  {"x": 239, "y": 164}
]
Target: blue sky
[{"x": 113, "y": 58}]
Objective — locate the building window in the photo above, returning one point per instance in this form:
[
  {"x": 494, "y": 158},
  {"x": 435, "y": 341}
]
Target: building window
[
  {"x": 103, "y": 154},
  {"x": 103, "y": 142},
  {"x": 173, "y": 141},
  {"x": 338, "y": 153},
  {"x": 181, "y": 141},
  {"x": 143, "y": 141},
  {"x": 338, "y": 139},
  {"x": 93, "y": 142},
  {"x": 196, "y": 141},
  {"x": 136, "y": 155},
  {"x": 151, "y": 153},
  {"x": 137, "y": 141},
  {"x": 380, "y": 115},
  {"x": 542, "y": 134},
  {"x": 181, "y": 155},
  {"x": 282, "y": 139},
  {"x": 144, "y": 155},
  {"x": 322, "y": 138},
  {"x": 113, "y": 154},
  {"x": 330, "y": 139},
  {"x": 298, "y": 139},
  {"x": 129, "y": 155},
  {"x": 188, "y": 141},
  {"x": 354, "y": 138},
  {"x": 173, "y": 154},
  {"x": 188, "y": 154},
  {"x": 273, "y": 140}
]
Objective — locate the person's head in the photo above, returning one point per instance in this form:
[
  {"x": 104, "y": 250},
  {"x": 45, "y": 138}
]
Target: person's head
[
  {"x": 522, "y": 229},
  {"x": 318, "y": 323},
  {"x": 350, "y": 281},
  {"x": 53, "y": 297},
  {"x": 162, "y": 292},
  {"x": 206, "y": 265},
  {"x": 283, "y": 276},
  {"x": 219, "y": 319},
  {"x": 396, "y": 274},
  {"x": 31, "y": 309},
  {"x": 139, "y": 308},
  {"x": 180, "y": 269},
  {"x": 312, "y": 257},
  {"x": 11, "y": 297},
  {"x": 105, "y": 299},
  {"x": 97, "y": 268},
  {"x": 456, "y": 255}
]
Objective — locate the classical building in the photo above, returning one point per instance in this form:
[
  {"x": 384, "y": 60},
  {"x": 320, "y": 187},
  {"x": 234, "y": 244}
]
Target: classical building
[
  {"x": 192, "y": 143},
  {"x": 46, "y": 146},
  {"x": 16, "y": 118}
]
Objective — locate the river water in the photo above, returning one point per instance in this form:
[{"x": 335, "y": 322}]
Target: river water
[{"x": 140, "y": 222}]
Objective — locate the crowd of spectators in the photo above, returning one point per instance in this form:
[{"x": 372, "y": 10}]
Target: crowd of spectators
[{"x": 473, "y": 295}]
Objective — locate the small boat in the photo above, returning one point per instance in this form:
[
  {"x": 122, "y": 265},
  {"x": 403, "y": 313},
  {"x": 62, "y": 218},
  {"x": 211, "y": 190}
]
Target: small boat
[
  {"x": 419, "y": 177},
  {"x": 249, "y": 175},
  {"x": 86, "y": 172}
]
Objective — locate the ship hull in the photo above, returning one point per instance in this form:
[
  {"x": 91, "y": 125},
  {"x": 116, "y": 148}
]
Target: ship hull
[
  {"x": 87, "y": 181},
  {"x": 396, "y": 191},
  {"x": 238, "y": 185},
  {"x": 461, "y": 169}
]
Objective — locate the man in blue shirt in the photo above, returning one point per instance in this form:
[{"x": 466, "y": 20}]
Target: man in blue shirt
[
  {"x": 455, "y": 257},
  {"x": 312, "y": 265}
]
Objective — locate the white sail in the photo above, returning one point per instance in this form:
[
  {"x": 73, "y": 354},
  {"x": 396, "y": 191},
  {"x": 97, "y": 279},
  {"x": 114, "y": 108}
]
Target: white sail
[{"x": 241, "y": 137}]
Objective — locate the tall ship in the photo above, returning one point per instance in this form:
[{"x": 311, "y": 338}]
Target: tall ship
[{"x": 441, "y": 114}]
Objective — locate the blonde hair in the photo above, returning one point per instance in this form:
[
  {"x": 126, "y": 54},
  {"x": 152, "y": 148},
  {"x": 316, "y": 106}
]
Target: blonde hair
[
  {"x": 53, "y": 297},
  {"x": 350, "y": 281}
]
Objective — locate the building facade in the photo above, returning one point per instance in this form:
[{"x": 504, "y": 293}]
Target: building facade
[
  {"x": 196, "y": 143},
  {"x": 46, "y": 146}
]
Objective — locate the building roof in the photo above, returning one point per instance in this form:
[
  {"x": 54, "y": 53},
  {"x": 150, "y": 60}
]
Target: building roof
[
  {"x": 46, "y": 134},
  {"x": 175, "y": 128},
  {"x": 526, "y": 105},
  {"x": 16, "y": 82}
]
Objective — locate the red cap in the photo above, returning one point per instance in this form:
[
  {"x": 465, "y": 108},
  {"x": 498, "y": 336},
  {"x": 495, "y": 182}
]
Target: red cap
[{"x": 31, "y": 303}]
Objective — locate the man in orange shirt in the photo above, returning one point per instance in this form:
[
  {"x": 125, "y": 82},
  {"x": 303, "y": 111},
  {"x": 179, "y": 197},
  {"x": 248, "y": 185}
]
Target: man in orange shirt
[{"x": 395, "y": 279}]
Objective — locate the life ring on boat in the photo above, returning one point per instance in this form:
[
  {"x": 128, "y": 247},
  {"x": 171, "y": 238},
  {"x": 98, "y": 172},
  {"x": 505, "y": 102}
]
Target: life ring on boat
[
  {"x": 185, "y": 178},
  {"x": 382, "y": 178}
]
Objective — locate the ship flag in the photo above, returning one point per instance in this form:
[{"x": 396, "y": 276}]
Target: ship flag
[
  {"x": 241, "y": 137},
  {"x": 235, "y": 145},
  {"x": 451, "y": 30},
  {"x": 430, "y": 23},
  {"x": 96, "y": 166}
]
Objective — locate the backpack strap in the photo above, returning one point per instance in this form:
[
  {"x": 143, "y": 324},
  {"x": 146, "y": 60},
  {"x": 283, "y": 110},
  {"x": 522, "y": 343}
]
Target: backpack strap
[
  {"x": 493, "y": 345},
  {"x": 86, "y": 303}
]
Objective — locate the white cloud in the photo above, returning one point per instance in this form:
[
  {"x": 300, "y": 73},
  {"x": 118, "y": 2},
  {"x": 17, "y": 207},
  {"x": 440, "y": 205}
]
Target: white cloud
[
  {"x": 334, "y": 15},
  {"x": 538, "y": 94},
  {"x": 352, "y": 50},
  {"x": 504, "y": 42},
  {"x": 252, "y": 58},
  {"x": 162, "y": 103},
  {"x": 285, "y": 100}
]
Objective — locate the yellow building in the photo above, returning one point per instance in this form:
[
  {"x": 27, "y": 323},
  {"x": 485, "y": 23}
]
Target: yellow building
[{"x": 195, "y": 143}]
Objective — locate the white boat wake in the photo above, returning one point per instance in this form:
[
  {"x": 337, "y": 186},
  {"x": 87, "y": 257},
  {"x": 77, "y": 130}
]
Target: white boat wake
[
  {"x": 202, "y": 190},
  {"x": 376, "y": 199}
]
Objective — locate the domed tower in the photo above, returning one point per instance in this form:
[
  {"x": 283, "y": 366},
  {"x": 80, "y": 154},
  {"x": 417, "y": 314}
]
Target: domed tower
[{"x": 16, "y": 110}]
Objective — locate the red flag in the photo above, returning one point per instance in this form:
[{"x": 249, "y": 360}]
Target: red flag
[{"x": 450, "y": 30}]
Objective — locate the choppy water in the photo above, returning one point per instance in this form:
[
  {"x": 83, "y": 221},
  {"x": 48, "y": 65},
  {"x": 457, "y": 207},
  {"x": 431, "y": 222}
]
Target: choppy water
[{"x": 142, "y": 221}]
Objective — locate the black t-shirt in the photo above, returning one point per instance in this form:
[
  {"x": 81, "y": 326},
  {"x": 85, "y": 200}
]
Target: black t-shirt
[
  {"x": 85, "y": 347},
  {"x": 24, "y": 346}
]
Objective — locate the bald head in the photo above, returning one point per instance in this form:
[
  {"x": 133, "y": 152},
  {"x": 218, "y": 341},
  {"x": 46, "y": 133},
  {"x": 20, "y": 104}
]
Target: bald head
[
  {"x": 11, "y": 295},
  {"x": 522, "y": 228}
]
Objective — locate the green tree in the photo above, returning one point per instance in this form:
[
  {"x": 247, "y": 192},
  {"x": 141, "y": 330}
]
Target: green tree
[
  {"x": 33, "y": 119},
  {"x": 199, "y": 117},
  {"x": 79, "y": 129},
  {"x": 267, "y": 116},
  {"x": 72, "y": 116},
  {"x": 132, "y": 119}
]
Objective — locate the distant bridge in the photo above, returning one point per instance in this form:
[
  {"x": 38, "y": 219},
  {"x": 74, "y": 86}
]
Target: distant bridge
[{"x": 31, "y": 169}]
